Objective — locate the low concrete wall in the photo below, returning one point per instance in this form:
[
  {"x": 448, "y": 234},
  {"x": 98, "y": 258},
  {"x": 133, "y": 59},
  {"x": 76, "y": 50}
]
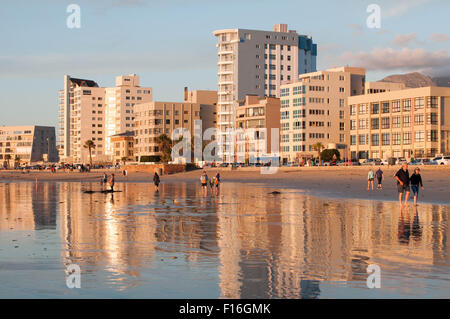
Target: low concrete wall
[{"x": 166, "y": 168}]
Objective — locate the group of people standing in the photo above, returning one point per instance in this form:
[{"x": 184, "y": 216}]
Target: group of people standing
[
  {"x": 405, "y": 182},
  {"x": 214, "y": 183},
  {"x": 104, "y": 181}
]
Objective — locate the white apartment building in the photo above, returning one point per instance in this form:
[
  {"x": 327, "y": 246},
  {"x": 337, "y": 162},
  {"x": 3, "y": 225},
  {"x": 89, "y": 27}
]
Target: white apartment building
[
  {"x": 257, "y": 62},
  {"x": 90, "y": 112},
  {"x": 314, "y": 110}
]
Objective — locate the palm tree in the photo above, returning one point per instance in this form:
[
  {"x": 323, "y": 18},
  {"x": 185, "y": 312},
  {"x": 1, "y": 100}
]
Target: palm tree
[
  {"x": 16, "y": 161},
  {"x": 165, "y": 147},
  {"x": 89, "y": 144},
  {"x": 318, "y": 147}
]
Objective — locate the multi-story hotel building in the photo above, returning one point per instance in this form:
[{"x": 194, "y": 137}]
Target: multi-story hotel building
[
  {"x": 314, "y": 110},
  {"x": 257, "y": 62},
  {"x": 27, "y": 144},
  {"x": 409, "y": 123},
  {"x": 90, "y": 112},
  {"x": 256, "y": 117},
  {"x": 156, "y": 118}
]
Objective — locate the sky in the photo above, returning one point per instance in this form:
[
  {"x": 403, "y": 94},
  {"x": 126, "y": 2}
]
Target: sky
[{"x": 170, "y": 43}]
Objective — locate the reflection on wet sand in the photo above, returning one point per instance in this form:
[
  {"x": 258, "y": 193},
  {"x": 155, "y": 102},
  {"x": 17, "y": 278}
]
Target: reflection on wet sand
[{"x": 261, "y": 245}]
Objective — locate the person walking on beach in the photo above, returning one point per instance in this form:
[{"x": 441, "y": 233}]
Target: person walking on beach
[
  {"x": 402, "y": 177},
  {"x": 217, "y": 183},
  {"x": 380, "y": 176},
  {"x": 370, "y": 178},
  {"x": 204, "y": 182},
  {"x": 416, "y": 182},
  {"x": 211, "y": 185},
  {"x": 156, "y": 181},
  {"x": 112, "y": 182}
]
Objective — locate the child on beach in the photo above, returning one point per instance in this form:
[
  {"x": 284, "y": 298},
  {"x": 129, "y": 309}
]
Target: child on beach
[
  {"x": 370, "y": 178},
  {"x": 416, "y": 181}
]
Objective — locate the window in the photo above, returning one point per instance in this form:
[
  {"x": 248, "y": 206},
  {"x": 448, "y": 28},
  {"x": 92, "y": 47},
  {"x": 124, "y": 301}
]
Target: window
[
  {"x": 407, "y": 105},
  {"x": 285, "y": 115},
  {"x": 285, "y": 138},
  {"x": 363, "y": 109},
  {"x": 419, "y": 119},
  {"x": 396, "y": 122},
  {"x": 419, "y": 136},
  {"x": 363, "y": 124},
  {"x": 341, "y": 102},
  {"x": 419, "y": 103},
  {"x": 396, "y": 106},
  {"x": 375, "y": 139},
  {"x": 432, "y": 101},
  {"x": 396, "y": 138},
  {"x": 352, "y": 109},
  {"x": 299, "y": 137},
  {"x": 432, "y": 136},
  {"x": 385, "y": 122},
  {"x": 375, "y": 108},
  {"x": 407, "y": 121},
  {"x": 362, "y": 139},
  {"x": 284, "y": 103},
  {"x": 432, "y": 118},
  {"x": 386, "y": 108},
  {"x": 352, "y": 139},
  {"x": 353, "y": 125},
  {"x": 341, "y": 114},
  {"x": 285, "y": 126},
  {"x": 284, "y": 92},
  {"x": 407, "y": 136},
  {"x": 375, "y": 124},
  {"x": 386, "y": 138}
]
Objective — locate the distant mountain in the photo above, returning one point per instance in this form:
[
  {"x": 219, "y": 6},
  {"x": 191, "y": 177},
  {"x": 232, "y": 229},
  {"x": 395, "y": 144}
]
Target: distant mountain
[
  {"x": 416, "y": 79},
  {"x": 411, "y": 80}
]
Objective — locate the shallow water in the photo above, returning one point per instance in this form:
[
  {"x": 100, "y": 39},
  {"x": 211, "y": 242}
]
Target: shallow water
[{"x": 244, "y": 243}]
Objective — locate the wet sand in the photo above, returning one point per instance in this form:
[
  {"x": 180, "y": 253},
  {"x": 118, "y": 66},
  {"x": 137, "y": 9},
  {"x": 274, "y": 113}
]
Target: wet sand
[{"x": 332, "y": 182}]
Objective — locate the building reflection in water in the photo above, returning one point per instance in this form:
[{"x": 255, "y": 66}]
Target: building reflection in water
[{"x": 262, "y": 245}]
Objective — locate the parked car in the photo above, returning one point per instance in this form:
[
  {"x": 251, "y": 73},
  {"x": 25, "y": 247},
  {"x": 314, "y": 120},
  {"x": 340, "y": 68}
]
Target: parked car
[
  {"x": 384, "y": 162},
  {"x": 442, "y": 160},
  {"x": 400, "y": 161},
  {"x": 371, "y": 161}
]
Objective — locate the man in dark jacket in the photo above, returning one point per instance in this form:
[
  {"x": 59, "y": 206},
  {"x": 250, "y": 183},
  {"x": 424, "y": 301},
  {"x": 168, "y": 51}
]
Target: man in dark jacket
[{"x": 402, "y": 177}]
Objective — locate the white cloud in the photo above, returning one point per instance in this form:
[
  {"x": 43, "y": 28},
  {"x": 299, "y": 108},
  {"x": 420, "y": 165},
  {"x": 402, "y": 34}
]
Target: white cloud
[
  {"x": 400, "y": 7},
  {"x": 406, "y": 59},
  {"x": 439, "y": 37},
  {"x": 403, "y": 40}
]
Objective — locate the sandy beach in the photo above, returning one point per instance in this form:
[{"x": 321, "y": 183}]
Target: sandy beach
[{"x": 333, "y": 182}]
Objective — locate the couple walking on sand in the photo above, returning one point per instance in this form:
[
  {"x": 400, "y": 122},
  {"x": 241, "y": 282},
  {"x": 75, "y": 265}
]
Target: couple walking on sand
[
  {"x": 404, "y": 181},
  {"x": 371, "y": 176},
  {"x": 213, "y": 183}
]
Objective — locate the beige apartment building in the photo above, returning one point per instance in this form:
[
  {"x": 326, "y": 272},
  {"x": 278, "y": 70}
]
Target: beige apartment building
[
  {"x": 27, "y": 145},
  {"x": 156, "y": 118},
  {"x": 314, "y": 110},
  {"x": 90, "y": 112},
  {"x": 256, "y": 117},
  {"x": 409, "y": 123},
  {"x": 256, "y": 62},
  {"x": 123, "y": 147}
]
